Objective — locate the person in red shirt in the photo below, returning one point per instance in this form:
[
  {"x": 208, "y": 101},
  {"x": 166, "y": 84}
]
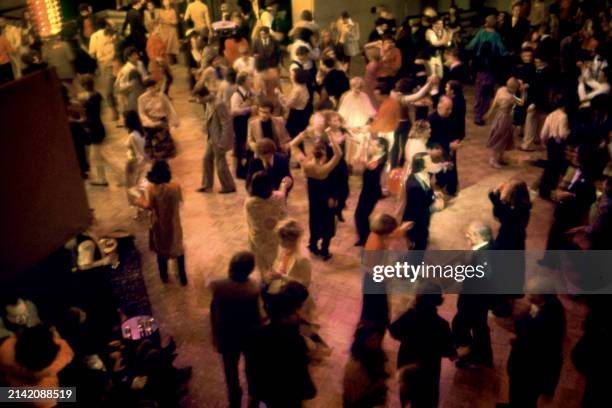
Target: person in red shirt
[{"x": 391, "y": 60}]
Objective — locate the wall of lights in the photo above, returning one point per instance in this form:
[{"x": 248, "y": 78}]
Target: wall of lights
[{"x": 46, "y": 16}]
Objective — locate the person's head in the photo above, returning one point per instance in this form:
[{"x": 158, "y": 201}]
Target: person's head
[
  {"x": 453, "y": 88},
  {"x": 421, "y": 162},
  {"x": 478, "y": 232},
  {"x": 131, "y": 54},
  {"x": 527, "y": 55},
  {"x": 451, "y": 55},
  {"x": 381, "y": 147},
  {"x": 490, "y": 22},
  {"x": 261, "y": 185},
  {"x": 205, "y": 95},
  {"x": 137, "y": 4},
  {"x": 383, "y": 224},
  {"x": 265, "y": 149},
  {"x": 558, "y": 101},
  {"x": 421, "y": 129},
  {"x": 289, "y": 234},
  {"x": 345, "y": 16},
  {"x": 36, "y": 348},
  {"x": 243, "y": 50},
  {"x": 428, "y": 297},
  {"x": 382, "y": 91},
  {"x": 284, "y": 301},
  {"x": 85, "y": 10},
  {"x": 445, "y": 106},
  {"x": 326, "y": 37},
  {"x": 516, "y": 193},
  {"x": 388, "y": 43},
  {"x": 87, "y": 82},
  {"x": 306, "y": 15},
  {"x": 151, "y": 85},
  {"x": 16, "y": 311},
  {"x": 150, "y": 5},
  {"x": 367, "y": 337},
  {"x": 516, "y": 9},
  {"x": 132, "y": 122},
  {"x": 272, "y": 6},
  {"x": 301, "y": 77},
  {"x": 329, "y": 63},
  {"x": 241, "y": 266},
  {"x": 453, "y": 10},
  {"x": 264, "y": 33},
  {"x": 381, "y": 25},
  {"x": 243, "y": 79},
  {"x": 160, "y": 173},
  {"x": 604, "y": 75},
  {"x": 264, "y": 110},
  {"x": 319, "y": 151},
  {"x": 438, "y": 24},
  {"x": 333, "y": 119},
  {"x": 512, "y": 84},
  {"x": 318, "y": 122},
  {"x": 302, "y": 53},
  {"x": 166, "y": 4},
  {"x": 356, "y": 84}
]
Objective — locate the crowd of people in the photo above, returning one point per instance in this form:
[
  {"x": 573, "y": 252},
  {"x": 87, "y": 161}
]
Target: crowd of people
[{"x": 540, "y": 74}]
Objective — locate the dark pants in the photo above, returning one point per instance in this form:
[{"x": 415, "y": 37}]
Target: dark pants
[
  {"x": 240, "y": 147},
  {"x": 162, "y": 263},
  {"x": 168, "y": 79},
  {"x": 365, "y": 206},
  {"x": 470, "y": 327},
  {"x": 231, "y": 360},
  {"x": 555, "y": 166},
  {"x": 6, "y": 73},
  {"x": 399, "y": 142},
  {"x": 449, "y": 179},
  {"x": 485, "y": 86}
]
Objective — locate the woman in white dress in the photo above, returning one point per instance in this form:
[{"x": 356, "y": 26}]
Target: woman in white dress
[
  {"x": 137, "y": 159},
  {"x": 264, "y": 209}
]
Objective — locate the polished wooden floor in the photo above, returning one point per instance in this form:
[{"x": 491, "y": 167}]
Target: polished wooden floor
[{"x": 214, "y": 227}]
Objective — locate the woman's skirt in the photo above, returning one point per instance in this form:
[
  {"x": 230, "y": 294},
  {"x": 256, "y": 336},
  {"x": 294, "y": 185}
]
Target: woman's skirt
[
  {"x": 297, "y": 121},
  {"x": 500, "y": 138}
]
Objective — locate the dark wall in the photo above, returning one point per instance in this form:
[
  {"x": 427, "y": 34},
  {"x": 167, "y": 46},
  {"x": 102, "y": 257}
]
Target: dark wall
[{"x": 43, "y": 202}]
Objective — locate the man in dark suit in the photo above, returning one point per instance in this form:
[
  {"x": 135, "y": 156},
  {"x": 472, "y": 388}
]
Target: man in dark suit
[
  {"x": 420, "y": 200},
  {"x": 444, "y": 134},
  {"x": 454, "y": 69},
  {"x": 266, "y": 48},
  {"x": 276, "y": 165},
  {"x": 235, "y": 315},
  {"x": 219, "y": 129},
  {"x": 138, "y": 33},
  {"x": 538, "y": 100},
  {"x": 470, "y": 327}
]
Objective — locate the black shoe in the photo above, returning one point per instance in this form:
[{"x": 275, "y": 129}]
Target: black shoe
[
  {"x": 171, "y": 347},
  {"x": 326, "y": 256},
  {"x": 98, "y": 183},
  {"x": 359, "y": 244},
  {"x": 204, "y": 190},
  {"x": 479, "y": 122},
  {"x": 227, "y": 191},
  {"x": 314, "y": 250}
]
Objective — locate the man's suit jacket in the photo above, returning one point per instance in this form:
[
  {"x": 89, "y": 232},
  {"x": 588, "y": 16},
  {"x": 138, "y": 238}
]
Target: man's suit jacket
[
  {"x": 234, "y": 312},
  {"x": 418, "y": 203},
  {"x": 255, "y": 134},
  {"x": 278, "y": 171},
  {"x": 219, "y": 126},
  {"x": 457, "y": 73},
  {"x": 269, "y": 53}
]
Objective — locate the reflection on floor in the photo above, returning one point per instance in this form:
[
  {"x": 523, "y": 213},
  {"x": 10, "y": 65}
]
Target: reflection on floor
[{"x": 214, "y": 227}]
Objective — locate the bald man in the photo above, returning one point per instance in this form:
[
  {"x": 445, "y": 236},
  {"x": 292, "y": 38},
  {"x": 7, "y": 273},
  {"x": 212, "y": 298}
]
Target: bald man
[{"x": 470, "y": 327}]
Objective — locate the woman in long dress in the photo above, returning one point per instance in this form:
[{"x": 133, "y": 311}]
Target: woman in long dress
[
  {"x": 264, "y": 208},
  {"x": 169, "y": 22},
  {"x": 501, "y": 136},
  {"x": 136, "y": 157},
  {"x": 163, "y": 198}
]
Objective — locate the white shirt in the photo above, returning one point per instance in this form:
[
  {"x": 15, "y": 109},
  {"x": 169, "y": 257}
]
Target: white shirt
[
  {"x": 243, "y": 64},
  {"x": 123, "y": 77},
  {"x": 102, "y": 47},
  {"x": 555, "y": 126},
  {"x": 313, "y": 53},
  {"x": 239, "y": 105},
  {"x": 596, "y": 89}
]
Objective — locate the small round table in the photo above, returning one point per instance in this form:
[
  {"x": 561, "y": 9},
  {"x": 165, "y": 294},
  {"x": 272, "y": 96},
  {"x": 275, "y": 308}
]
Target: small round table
[{"x": 139, "y": 327}]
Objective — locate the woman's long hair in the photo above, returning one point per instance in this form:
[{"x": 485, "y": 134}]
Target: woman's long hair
[{"x": 160, "y": 173}]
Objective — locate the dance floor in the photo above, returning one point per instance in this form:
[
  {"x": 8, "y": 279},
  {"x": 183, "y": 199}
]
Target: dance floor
[{"x": 215, "y": 227}]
